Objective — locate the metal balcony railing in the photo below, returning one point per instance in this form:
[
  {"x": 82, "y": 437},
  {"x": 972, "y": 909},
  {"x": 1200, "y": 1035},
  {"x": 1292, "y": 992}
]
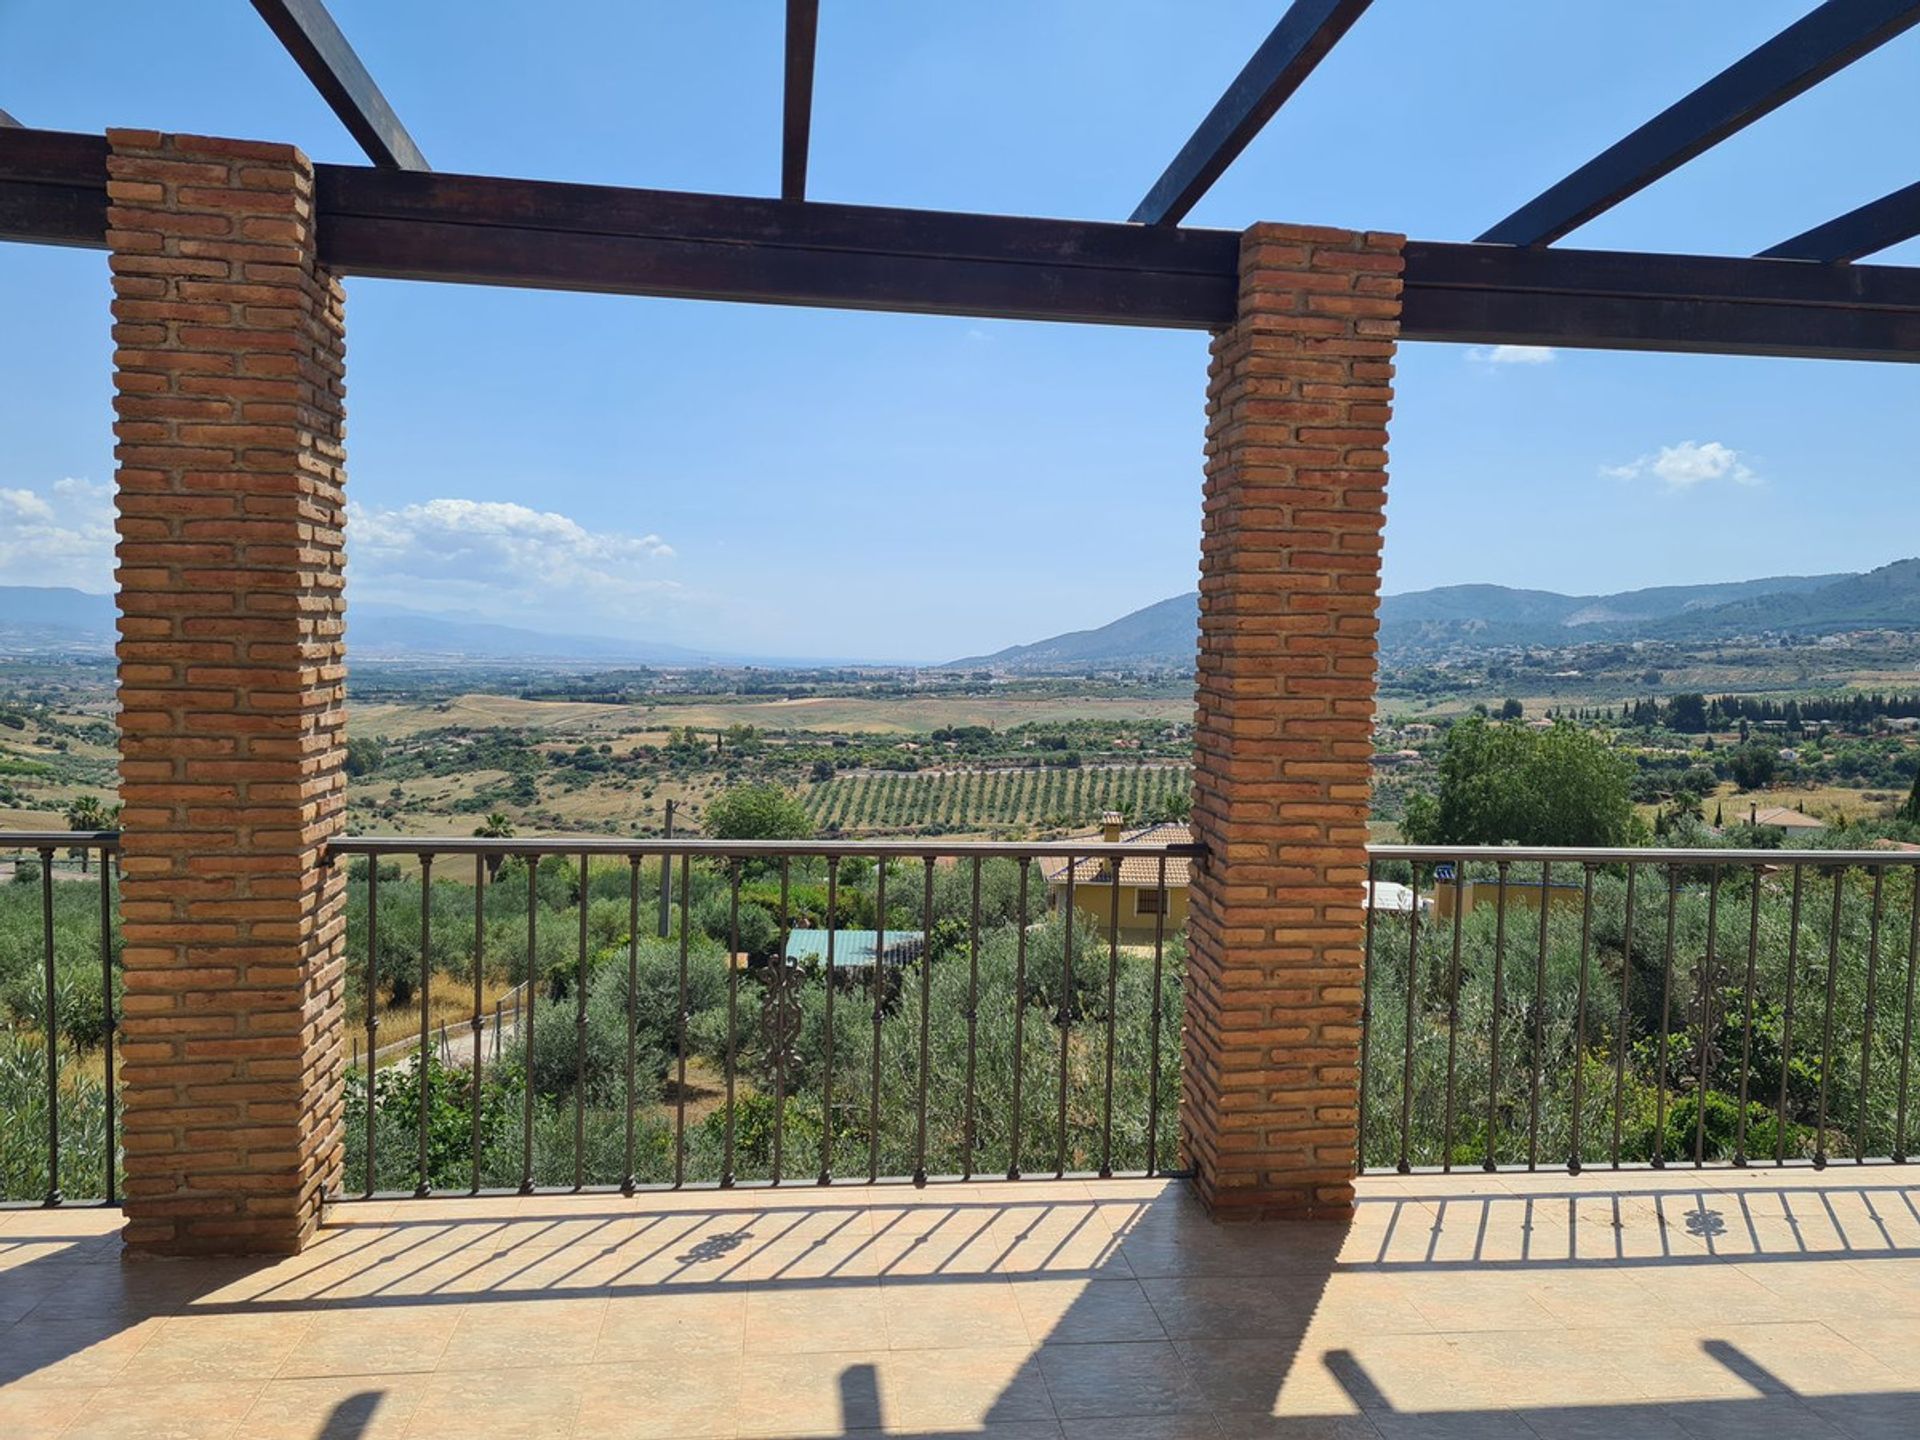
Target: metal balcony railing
[
  {"x": 734, "y": 1012},
  {"x": 59, "y": 1010},
  {"x": 1549, "y": 1007}
]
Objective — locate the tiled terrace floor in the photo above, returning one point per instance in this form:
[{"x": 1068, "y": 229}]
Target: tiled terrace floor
[{"x": 1637, "y": 1305}]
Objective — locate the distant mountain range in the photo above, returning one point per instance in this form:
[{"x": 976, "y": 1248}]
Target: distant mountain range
[
  {"x": 1421, "y": 624},
  {"x": 1492, "y": 617},
  {"x": 35, "y": 620}
]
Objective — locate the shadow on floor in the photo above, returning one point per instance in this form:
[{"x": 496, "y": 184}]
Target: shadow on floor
[{"x": 1445, "y": 1307}]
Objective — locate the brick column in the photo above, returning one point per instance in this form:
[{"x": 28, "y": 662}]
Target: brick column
[
  {"x": 1299, "y": 392},
  {"x": 228, "y": 378}
]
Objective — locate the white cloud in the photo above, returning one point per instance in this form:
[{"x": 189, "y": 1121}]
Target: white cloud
[
  {"x": 59, "y": 536},
  {"x": 1512, "y": 354},
  {"x": 500, "y": 559},
  {"x": 1686, "y": 465}
]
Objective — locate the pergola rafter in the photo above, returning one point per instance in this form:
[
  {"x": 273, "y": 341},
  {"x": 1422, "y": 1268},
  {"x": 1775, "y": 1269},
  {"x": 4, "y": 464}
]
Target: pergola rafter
[
  {"x": 1302, "y": 39},
  {"x": 310, "y": 36},
  {"x": 1817, "y": 45},
  {"x": 1878, "y": 225},
  {"x": 803, "y": 29}
]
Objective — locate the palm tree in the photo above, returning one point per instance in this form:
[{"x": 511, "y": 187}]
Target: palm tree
[
  {"x": 495, "y": 827},
  {"x": 87, "y": 813}
]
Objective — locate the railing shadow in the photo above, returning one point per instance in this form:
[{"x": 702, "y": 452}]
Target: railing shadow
[{"x": 1280, "y": 1330}]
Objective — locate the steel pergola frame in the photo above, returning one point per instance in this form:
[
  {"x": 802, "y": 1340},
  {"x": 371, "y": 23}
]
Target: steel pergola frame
[{"x": 397, "y": 219}]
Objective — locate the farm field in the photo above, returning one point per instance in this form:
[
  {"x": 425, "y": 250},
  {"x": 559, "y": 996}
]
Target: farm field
[
  {"x": 986, "y": 800},
  {"x": 844, "y": 714}
]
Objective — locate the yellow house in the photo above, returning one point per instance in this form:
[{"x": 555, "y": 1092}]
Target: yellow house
[{"x": 1141, "y": 899}]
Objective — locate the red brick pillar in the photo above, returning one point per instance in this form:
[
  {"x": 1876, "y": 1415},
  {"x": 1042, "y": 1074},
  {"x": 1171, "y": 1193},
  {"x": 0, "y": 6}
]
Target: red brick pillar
[
  {"x": 228, "y": 377},
  {"x": 1299, "y": 392}
]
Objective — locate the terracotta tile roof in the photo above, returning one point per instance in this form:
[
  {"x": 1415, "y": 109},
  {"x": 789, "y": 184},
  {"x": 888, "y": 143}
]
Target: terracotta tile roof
[{"x": 1134, "y": 869}]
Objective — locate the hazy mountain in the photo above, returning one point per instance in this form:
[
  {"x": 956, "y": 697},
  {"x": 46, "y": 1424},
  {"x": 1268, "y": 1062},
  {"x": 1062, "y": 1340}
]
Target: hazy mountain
[
  {"x": 1162, "y": 635},
  {"x": 390, "y": 632},
  {"x": 1455, "y": 617},
  {"x": 37, "y": 620}
]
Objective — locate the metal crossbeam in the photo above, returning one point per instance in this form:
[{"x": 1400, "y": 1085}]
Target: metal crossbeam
[
  {"x": 1798, "y": 58},
  {"x": 803, "y": 28},
  {"x": 1301, "y": 40},
  {"x": 307, "y": 31},
  {"x": 1873, "y": 227}
]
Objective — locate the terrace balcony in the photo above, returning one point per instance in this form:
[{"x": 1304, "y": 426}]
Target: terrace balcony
[
  {"x": 1630, "y": 1165},
  {"x": 1747, "y": 1303}
]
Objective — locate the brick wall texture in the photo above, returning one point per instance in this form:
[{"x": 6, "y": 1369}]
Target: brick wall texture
[
  {"x": 1299, "y": 394},
  {"x": 228, "y": 373}
]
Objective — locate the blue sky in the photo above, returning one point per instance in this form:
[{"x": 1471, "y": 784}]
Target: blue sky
[{"x": 812, "y": 482}]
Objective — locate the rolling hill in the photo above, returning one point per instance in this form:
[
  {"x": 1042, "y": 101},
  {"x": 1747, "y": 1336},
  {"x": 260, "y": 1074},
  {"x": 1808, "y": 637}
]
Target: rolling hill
[{"x": 1493, "y": 617}]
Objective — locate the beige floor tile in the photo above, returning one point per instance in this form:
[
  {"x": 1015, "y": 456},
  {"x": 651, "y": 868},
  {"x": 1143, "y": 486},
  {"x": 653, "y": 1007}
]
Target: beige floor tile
[
  {"x": 363, "y": 1407},
  {"x": 807, "y": 1319},
  {"x": 384, "y": 1340},
  {"x": 963, "y": 1390},
  {"x": 177, "y": 1410},
  {"x": 504, "y": 1405},
  {"x": 39, "y": 1414},
  {"x": 966, "y": 1314},
  {"x": 1093, "y": 1381},
  {"x": 216, "y": 1348},
  {"x": 662, "y": 1395},
  {"x": 35, "y": 1354},
  {"x": 1079, "y": 1312},
  {"x": 642, "y": 1328},
  {"x": 523, "y": 1334},
  {"x": 782, "y": 1393}
]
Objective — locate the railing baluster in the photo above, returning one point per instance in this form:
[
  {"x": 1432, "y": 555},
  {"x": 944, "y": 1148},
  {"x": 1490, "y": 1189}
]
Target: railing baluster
[
  {"x": 1153, "y": 1021},
  {"x": 734, "y": 960},
  {"x": 373, "y": 1012},
  {"x": 1746, "y": 1013},
  {"x": 1366, "y": 1018},
  {"x": 1786, "y": 1014},
  {"x": 826, "y": 1087},
  {"x": 1659, "y": 1158},
  {"x": 926, "y": 1002},
  {"x": 580, "y": 1041},
  {"x": 479, "y": 1012},
  {"x": 108, "y": 1021},
  {"x": 1539, "y": 1020},
  {"x": 1906, "y": 1026},
  {"x": 629, "y": 1182},
  {"x": 680, "y": 1029},
  {"x": 877, "y": 993},
  {"x": 526, "y": 1037},
  {"x": 1491, "y": 1160},
  {"x": 1624, "y": 1025},
  {"x": 1706, "y": 1016},
  {"x": 1580, "y": 1018},
  {"x": 784, "y": 1009},
  {"x": 1862, "y": 1130},
  {"x": 1065, "y": 1016},
  {"x": 1826, "y": 1024},
  {"x": 1413, "y": 1010},
  {"x": 973, "y": 1025},
  {"x": 51, "y": 1038},
  {"x": 1113, "y": 992},
  {"x": 423, "y": 1058},
  {"x": 1019, "y": 1020},
  {"x": 1453, "y": 1009}
]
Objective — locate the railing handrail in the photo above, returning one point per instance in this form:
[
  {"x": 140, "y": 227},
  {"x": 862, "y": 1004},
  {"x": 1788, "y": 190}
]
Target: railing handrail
[
  {"x": 934, "y": 848},
  {"x": 1644, "y": 855},
  {"x": 58, "y": 839}
]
